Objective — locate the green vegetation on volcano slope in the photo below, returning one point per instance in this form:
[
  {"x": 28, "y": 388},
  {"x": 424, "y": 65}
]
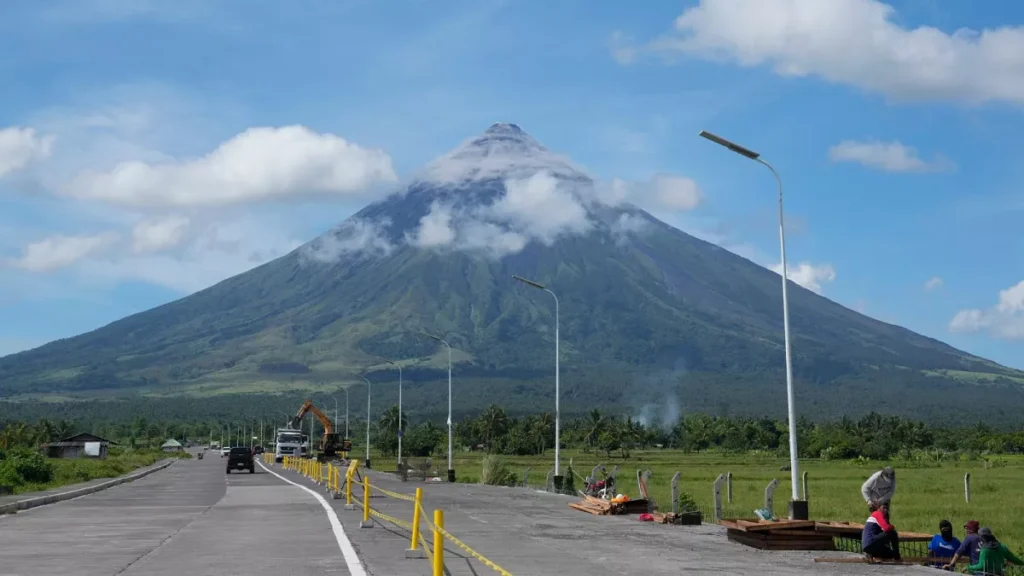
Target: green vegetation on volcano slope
[{"x": 661, "y": 314}]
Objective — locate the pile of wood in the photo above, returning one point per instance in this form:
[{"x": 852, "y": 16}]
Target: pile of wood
[
  {"x": 600, "y": 507},
  {"x": 777, "y": 535},
  {"x": 854, "y": 529}
]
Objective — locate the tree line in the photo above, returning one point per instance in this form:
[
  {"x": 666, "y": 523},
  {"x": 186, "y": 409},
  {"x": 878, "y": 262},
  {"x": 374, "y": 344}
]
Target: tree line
[{"x": 494, "y": 430}]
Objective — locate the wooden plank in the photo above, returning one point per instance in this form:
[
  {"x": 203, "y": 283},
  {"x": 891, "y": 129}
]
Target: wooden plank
[
  {"x": 587, "y": 509},
  {"x": 753, "y": 526},
  {"x": 906, "y": 561}
]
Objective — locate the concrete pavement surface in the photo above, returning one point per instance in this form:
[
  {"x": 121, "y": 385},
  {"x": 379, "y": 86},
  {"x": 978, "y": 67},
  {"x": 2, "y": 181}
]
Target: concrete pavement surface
[
  {"x": 190, "y": 519},
  {"x": 527, "y": 532}
]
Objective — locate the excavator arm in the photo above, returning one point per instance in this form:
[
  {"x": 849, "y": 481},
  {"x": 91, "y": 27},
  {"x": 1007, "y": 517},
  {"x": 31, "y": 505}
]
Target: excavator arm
[
  {"x": 330, "y": 444},
  {"x": 308, "y": 406}
]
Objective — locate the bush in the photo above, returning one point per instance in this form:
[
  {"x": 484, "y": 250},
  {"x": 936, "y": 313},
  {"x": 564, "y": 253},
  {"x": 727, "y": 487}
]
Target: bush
[
  {"x": 25, "y": 467},
  {"x": 686, "y": 503},
  {"x": 496, "y": 471}
]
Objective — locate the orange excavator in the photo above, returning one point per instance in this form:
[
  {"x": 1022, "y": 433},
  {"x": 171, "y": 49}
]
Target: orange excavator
[{"x": 332, "y": 443}]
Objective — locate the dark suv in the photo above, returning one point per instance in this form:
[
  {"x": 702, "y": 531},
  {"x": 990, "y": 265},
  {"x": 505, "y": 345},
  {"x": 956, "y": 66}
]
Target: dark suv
[{"x": 240, "y": 458}]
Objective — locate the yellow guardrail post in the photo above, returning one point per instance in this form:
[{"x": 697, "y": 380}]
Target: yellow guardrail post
[
  {"x": 366, "y": 523},
  {"x": 414, "y": 550},
  {"x": 438, "y": 543}
]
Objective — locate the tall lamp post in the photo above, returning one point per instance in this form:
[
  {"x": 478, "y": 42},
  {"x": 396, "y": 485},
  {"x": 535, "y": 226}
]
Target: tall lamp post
[
  {"x": 451, "y": 469},
  {"x": 797, "y": 507},
  {"x": 558, "y": 472},
  {"x": 400, "y": 431},
  {"x": 365, "y": 379}
]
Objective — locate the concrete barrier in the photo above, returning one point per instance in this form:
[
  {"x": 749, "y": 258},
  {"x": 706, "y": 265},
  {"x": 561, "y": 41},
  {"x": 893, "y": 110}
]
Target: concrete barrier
[{"x": 28, "y": 503}]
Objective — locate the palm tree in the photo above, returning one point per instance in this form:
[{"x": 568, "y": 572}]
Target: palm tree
[
  {"x": 595, "y": 424},
  {"x": 494, "y": 424}
]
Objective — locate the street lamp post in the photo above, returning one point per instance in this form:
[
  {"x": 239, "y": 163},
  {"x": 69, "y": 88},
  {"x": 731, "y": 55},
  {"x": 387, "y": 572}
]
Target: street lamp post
[
  {"x": 797, "y": 507},
  {"x": 558, "y": 478},
  {"x": 451, "y": 469},
  {"x": 365, "y": 379},
  {"x": 400, "y": 431}
]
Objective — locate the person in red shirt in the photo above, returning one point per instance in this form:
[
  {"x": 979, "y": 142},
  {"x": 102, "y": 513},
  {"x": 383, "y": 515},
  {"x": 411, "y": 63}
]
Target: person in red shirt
[{"x": 879, "y": 538}]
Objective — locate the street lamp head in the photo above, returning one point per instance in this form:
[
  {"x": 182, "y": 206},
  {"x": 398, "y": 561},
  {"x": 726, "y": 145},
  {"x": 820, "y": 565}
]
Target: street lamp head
[
  {"x": 730, "y": 145},
  {"x": 537, "y": 285}
]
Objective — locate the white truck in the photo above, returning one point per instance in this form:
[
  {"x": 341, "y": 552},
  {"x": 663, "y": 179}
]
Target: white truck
[{"x": 288, "y": 442}]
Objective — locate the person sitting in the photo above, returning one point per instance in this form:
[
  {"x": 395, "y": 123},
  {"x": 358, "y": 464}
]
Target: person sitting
[
  {"x": 943, "y": 545},
  {"x": 879, "y": 538},
  {"x": 993, "y": 555},
  {"x": 969, "y": 547}
]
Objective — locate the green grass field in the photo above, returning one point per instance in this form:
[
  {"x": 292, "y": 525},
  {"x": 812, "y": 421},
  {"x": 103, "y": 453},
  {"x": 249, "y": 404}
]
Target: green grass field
[
  {"x": 926, "y": 493},
  {"x": 74, "y": 471}
]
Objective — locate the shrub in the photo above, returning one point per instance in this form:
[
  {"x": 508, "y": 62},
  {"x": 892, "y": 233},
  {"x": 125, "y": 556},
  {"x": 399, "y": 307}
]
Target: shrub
[
  {"x": 26, "y": 467},
  {"x": 686, "y": 503},
  {"x": 496, "y": 471}
]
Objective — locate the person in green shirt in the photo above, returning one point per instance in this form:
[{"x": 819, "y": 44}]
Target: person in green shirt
[{"x": 993, "y": 555}]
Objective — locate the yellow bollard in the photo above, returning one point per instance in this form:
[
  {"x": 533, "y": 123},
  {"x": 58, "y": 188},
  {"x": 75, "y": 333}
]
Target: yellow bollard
[
  {"x": 438, "y": 543},
  {"x": 366, "y": 523},
  {"x": 348, "y": 490},
  {"x": 414, "y": 547}
]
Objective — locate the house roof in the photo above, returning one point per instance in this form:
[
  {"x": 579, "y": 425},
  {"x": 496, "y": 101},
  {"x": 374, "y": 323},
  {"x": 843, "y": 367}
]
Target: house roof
[
  {"x": 78, "y": 440},
  {"x": 171, "y": 443}
]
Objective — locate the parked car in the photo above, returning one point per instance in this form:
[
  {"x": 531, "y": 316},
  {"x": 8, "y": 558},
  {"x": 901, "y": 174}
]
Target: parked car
[{"x": 241, "y": 458}]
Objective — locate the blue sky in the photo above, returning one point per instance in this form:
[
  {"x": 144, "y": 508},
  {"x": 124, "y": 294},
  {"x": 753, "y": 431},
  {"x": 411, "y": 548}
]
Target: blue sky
[{"x": 898, "y": 141}]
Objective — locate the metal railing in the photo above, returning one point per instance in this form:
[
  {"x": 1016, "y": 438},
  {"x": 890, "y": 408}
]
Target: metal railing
[{"x": 340, "y": 482}]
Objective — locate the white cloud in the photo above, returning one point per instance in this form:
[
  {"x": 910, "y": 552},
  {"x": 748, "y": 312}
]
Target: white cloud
[
  {"x": 853, "y": 42},
  {"x": 887, "y": 156},
  {"x": 933, "y": 283},
  {"x": 61, "y": 251},
  {"x": 629, "y": 224},
  {"x": 810, "y": 276},
  {"x": 258, "y": 164},
  {"x": 435, "y": 229},
  {"x": 491, "y": 238},
  {"x": 213, "y": 252},
  {"x": 542, "y": 207},
  {"x": 353, "y": 236},
  {"x": 677, "y": 193},
  {"x": 661, "y": 192},
  {"x": 19, "y": 147},
  {"x": 1004, "y": 320},
  {"x": 153, "y": 235}
]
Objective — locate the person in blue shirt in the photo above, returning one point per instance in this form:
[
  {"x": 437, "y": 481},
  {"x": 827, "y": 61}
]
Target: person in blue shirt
[{"x": 943, "y": 545}]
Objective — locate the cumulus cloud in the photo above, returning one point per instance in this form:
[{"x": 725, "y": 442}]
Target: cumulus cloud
[
  {"x": 353, "y": 236},
  {"x": 853, "y": 42},
  {"x": 661, "y": 192},
  {"x": 808, "y": 275},
  {"x": 19, "y": 147},
  {"x": 1004, "y": 320},
  {"x": 933, "y": 283},
  {"x": 210, "y": 253},
  {"x": 153, "y": 235},
  {"x": 539, "y": 208},
  {"x": 886, "y": 156},
  {"x": 627, "y": 224},
  {"x": 258, "y": 164},
  {"x": 60, "y": 251}
]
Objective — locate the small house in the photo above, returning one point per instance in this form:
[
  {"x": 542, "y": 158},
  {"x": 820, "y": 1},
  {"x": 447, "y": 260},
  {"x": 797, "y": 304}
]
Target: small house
[
  {"x": 83, "y": 445},
  {"x": 172, "y": 445}
]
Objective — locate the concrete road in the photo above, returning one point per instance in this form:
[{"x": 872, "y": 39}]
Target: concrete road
[
  {"x": 534, "y": 533},
  {"x": 188, "y": 519}
]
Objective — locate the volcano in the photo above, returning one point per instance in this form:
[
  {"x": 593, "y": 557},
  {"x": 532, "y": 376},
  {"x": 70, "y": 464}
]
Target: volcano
[{"x": 649, "y": 314}]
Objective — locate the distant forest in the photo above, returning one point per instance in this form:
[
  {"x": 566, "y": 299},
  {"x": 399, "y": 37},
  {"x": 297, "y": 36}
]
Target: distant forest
[{"x": 494, "y": 430}]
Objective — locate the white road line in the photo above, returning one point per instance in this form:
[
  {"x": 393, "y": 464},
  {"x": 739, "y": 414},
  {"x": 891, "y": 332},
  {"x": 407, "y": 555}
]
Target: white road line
[{"x": 355, "y": 567}]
